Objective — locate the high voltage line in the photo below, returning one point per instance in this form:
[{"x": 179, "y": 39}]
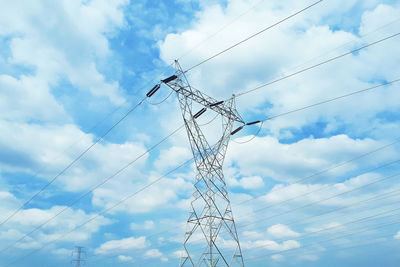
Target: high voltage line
[
  {"x": 325, "y": 199},
  {"x": 253, "y": 35},
  {"x": 259, "y": 209},
  {"x": 77, "y": 200},
  {"x": 140, "y": 102},
  {"x": 71, "y": 163},
  {"x": 121, "y": 119},
  {"x": 359, "y": 220},
  {"x": 379, "y": 197},
  {"x": 330, "y": 197},
  {"x": 94, "y": 188},
  {"x": 126, "y": 166},
  {"x": 99, "y": 139},
  {"x": 103, "y": 212},
  {"x": 321, "y": 172},
  {"x": 330, "y": 239},
  {"x": 317, "y": 65},
  {"x": 165, "y": 138},
  {"x": 332, "y": 167},
  {"x": 84, "y": 195}
]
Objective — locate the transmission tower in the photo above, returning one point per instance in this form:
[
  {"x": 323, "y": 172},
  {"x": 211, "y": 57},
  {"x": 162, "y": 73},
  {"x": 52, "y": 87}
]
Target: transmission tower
[
  {"x": 79, "y": 255},
  {"x": 211, "y": 238}
]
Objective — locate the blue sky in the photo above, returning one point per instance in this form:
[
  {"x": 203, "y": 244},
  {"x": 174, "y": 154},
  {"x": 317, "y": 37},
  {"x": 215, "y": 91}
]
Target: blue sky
[{"x": 69, "y": 70}]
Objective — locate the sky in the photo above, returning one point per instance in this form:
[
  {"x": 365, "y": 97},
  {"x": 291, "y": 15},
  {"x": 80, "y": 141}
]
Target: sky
[{"x": 316, "y": 187}]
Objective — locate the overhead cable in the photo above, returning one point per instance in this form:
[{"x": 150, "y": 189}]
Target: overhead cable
[
  {"x": 101, "y": 213},
  {"x": 72, "y": 162},
  {"x": 252, "y": 36},
  {"x": 317, "y": 65},
  {"x": 94, "y": 188}
]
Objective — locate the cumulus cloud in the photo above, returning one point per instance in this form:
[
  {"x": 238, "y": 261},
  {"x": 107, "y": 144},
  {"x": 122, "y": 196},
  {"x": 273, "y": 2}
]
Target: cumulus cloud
[
  {"x": 282, "y": 50},
  {"x": 397, "y": 236},
  {"x": 252, "y": 182},
  {"x": 125, "y": 244},
  {"x": 172, "y": 157},
  {"x": 124, "y": 258},
  {"x": 304, "y": 157},
  {"x": 147, "y": 225},
  {"x": 55, "y": 229},
  {"x": 281, "y": 231},
  {"x": 328, "y": 226},
  {"x": 277, "y": 257},
  {"x": 153, "y": 253},
  {"x": 274, "y": 246}
]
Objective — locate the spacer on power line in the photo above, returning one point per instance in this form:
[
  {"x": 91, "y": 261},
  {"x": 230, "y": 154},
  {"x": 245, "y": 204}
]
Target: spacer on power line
[{"x": 153, "y": 90}]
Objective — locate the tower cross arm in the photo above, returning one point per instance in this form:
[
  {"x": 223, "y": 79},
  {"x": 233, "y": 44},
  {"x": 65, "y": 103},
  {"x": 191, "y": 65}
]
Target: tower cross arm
[{"x": 222, "y": 107}]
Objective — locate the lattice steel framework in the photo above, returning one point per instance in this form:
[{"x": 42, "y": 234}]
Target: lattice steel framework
[
  {"x": 79, "y": 253},
  {"x": 211, "y": 238}
]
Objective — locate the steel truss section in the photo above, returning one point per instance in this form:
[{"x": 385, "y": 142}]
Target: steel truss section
[{"x": 211, "y": 238}]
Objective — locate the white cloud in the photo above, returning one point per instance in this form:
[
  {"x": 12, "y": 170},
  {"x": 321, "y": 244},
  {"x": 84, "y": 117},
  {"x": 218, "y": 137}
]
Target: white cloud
[
  {"x": 179, "y": 254},
  {"x": 147, "y": 225},
  {"x": 48, "y": 148},
  {"x": 277, "y": 257},
  {"x": 397, "y": 236},
  {"x": 124, "y": 258},
  {"x": 65, "y": 222},
  {"x": 62, "y": 252},
  {"x": 153, "y": 253},
  {"x": 252, "y": 182},
  {"x": 130, "y": 243},
  {"x": 278, "y": 51},
  {"x": 252, "y": 234},
  {"x": 332, "y": 225},
  {"x": 272, "y": 245},
  {"x": 281, "y": 231},
  {"x": 172, "y": 157},
  {"x": 41, "y": 42},
  {"x": 307, "y": 193},
  {"x": 304, "y": 157},
  {"x": 159, "y": 195}
]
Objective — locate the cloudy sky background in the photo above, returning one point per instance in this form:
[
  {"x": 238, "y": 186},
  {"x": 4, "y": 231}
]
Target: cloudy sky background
[{"x": 69, "y": 70}]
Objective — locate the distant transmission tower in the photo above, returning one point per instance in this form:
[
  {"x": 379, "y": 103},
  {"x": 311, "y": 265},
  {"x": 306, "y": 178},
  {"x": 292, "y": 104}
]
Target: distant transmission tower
[
  {"x": 211, "y": 239},
  {"x": 78, "y": 256}
]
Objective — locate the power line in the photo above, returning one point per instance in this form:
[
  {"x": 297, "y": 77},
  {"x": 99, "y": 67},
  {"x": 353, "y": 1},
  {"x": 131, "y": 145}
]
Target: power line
[
  {"x": 376, "y": 197},
  {"x": 321, "y": 172},
  {"x": 333, "y": 99},
  {"x": 219, "y": 30},
  {"x": 346, "y": 43},
  {"x": 330, "y": 239},
  {"x": 94, "y": 188},
  {"x": 254, "y": 35},
  {"x": 102, "y": 212},
  {"x": 385, "y": 195},
  {"x": 322, "y": 200},
  {"x": 321, "y": 188},
  {"x": 317, "y": 65},
  {"x": 72, "y": 163},
  {"x": 353, "y": 204},
  {"x": 314, "y": 105},
  {"x": 360, "y": 220},
  {"x": 331, "y": 168}
]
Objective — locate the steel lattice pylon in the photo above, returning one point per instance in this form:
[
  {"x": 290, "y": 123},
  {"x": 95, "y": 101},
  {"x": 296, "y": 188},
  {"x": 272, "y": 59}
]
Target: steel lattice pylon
[{"x": 211, "y": 238}]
